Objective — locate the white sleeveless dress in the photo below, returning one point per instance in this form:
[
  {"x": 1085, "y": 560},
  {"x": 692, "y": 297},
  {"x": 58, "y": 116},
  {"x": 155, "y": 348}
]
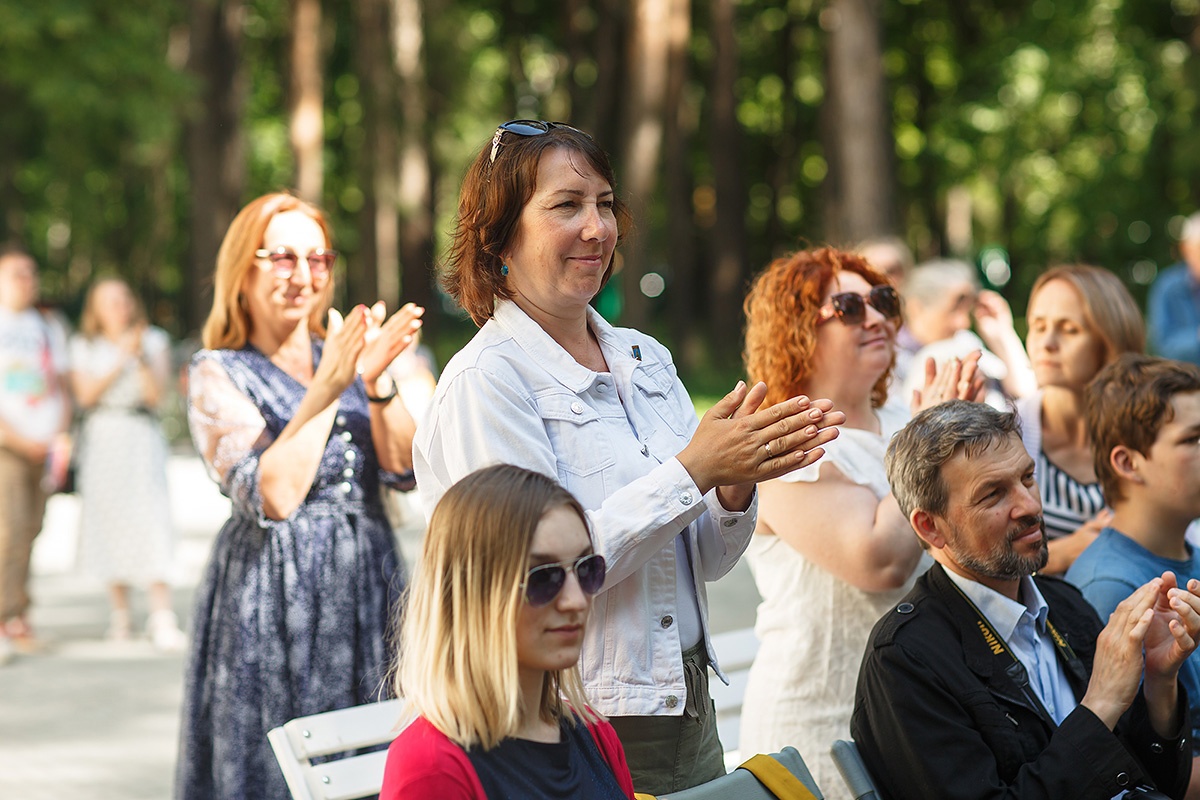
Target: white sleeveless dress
[{"x": 813, "y": 627}]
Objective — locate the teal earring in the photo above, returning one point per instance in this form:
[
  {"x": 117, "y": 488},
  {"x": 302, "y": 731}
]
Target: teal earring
[{"x": 504, "y": 269}]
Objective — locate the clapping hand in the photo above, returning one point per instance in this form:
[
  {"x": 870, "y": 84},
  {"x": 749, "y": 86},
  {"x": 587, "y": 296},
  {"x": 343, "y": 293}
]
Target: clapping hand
[
  {"x": 1118, "y": 663},
  {"x": 1175, "y": 628},
  {"x": 740, "y": 443},
  {"x": 957, "y": 379},
  {"x": 344, "y": 343},
  {"x": 386, "y": 340},
  {"x": 993, "y": 316},
  {"x": 131, "y": 341}
]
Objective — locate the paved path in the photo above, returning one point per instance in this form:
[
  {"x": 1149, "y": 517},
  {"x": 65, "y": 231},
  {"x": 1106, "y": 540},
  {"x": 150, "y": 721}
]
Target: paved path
[{"x": 98, "y": 720}]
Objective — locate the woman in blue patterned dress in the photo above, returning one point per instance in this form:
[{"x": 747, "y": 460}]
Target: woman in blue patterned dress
[{"x": 301, "y": 427}]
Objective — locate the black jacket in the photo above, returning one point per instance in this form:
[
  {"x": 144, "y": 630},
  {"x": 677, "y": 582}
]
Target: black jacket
[{"x": 937, "y": 716}]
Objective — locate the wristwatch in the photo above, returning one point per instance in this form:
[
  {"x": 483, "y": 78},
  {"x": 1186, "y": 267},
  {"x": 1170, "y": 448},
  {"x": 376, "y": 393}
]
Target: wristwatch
[{"x": 387, "y": 398}]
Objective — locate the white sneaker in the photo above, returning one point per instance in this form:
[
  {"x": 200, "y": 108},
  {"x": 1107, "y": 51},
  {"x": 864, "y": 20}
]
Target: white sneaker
[{"x": 163, "y": 629}]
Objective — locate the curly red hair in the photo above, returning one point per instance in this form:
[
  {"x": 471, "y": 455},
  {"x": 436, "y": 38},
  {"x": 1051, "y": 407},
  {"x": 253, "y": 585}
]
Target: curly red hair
[{"x": 781, "y": 319}]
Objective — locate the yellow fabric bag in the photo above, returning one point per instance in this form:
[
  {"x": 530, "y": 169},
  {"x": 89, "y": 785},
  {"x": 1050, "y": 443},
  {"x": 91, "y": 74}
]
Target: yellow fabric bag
[{"x": 777, "y": 778}]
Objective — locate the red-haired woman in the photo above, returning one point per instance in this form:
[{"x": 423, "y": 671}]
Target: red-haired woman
[{"x": 832, "y": 551}]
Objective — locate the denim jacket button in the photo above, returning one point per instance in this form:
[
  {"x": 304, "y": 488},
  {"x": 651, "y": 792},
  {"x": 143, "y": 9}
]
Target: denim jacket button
[
  {"x": 576, "y": 408},
  {"x": 673, "y": 701},
  {"x": 645, "y": 450},
  {"x": 686, "y": 498},
  {"x": 666, "y": 621}
]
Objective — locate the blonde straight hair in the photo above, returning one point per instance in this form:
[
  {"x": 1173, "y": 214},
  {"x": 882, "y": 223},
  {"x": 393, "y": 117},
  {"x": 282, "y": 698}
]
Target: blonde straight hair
[{"x": 456, "y": 663}]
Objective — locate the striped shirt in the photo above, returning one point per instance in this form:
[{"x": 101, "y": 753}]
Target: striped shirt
[{"x": 1066, "y": 503}]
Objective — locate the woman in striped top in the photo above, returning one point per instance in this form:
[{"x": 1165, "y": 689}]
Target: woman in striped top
[{"x": 1080, "y": 319}]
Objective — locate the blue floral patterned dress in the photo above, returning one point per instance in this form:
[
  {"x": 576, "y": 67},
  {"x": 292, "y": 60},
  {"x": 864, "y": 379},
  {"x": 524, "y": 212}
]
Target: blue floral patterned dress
[{"x": 291, "y": 616}]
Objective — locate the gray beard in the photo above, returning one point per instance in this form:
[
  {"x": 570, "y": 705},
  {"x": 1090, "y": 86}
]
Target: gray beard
[{"x": 1003, "y": 563}]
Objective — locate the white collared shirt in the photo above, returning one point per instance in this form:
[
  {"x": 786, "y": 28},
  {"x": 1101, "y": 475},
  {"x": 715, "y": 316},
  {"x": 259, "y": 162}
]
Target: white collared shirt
[
  {"x": 513, "y": 395},
  {"x": 1023, "y": 626}
]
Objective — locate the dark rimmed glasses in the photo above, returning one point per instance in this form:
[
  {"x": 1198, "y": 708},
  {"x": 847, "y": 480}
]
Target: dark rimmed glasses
[
  {"x": 543, "y": 583},
  {"x": 525, "y": 127},
  {"x": 851, "y": 307},
  {"x": 284, "y": 260}
]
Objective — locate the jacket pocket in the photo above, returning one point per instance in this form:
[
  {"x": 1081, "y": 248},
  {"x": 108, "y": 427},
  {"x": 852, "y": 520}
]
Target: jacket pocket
[
  {"x": 577, "y": 437},
  {"x": 1013, "y": 734},
  {"x": 656, "y": 383}
]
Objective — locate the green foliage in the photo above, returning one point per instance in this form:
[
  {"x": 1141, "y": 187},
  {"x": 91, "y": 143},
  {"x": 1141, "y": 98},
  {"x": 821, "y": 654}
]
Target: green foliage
[
  {"x": 1067, "y": 122},
  {"x": 90, "y": 111}
]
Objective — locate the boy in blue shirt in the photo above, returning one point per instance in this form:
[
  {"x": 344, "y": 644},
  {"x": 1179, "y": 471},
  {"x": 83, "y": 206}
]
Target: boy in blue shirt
[{"x": 1143, "y": 417}]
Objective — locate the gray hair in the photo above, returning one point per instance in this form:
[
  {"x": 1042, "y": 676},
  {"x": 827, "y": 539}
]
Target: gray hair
[
  {"x": 916, "y": 454},
  {"x": 1191, "y": 228},
  {"x": 928, "y": 281}
]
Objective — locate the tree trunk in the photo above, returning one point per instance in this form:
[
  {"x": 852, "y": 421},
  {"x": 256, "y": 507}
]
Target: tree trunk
[
  {"x": 214, "y": 142},
  {"x": 378, "y": 225},
  {"x": 860, "y": 125},
  {"x": 683, "y": 297},
  {"x": 415, "y": 182},
  {"x": 729, "y": 252},
  {"x": 642, "y": 150},
  {"x": 306, "y": 128},
  {"x": 602, "y": 117}
]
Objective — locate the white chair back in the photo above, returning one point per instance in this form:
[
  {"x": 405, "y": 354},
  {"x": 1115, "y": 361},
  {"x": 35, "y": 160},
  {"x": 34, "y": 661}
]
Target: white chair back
[{"x": 298, "y": 742}]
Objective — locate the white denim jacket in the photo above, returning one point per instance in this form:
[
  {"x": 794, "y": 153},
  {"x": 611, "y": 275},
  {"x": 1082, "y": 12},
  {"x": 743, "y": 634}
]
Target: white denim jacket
[{"x": 513, "y": 395}]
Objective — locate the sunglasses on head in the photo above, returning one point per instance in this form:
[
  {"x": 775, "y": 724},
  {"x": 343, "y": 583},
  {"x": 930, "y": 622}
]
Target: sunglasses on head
[
  {"x": 851, "y": 307},
  {"x": 543, "y": 583},
  {"x": 284, "y": 260},
  {"x": 525, "y": 127}
]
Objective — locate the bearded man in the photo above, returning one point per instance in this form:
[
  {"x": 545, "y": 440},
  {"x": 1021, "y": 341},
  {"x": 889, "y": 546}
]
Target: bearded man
[{"x": 989, "y": 681}]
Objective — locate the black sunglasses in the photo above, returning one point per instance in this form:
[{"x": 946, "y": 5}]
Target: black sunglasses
[
  {"x": 851, "y": 307},
  {"x": 543, "y": 583},
  {"x": 525, "y": 127},
  {"x": 284, "y": 260}
]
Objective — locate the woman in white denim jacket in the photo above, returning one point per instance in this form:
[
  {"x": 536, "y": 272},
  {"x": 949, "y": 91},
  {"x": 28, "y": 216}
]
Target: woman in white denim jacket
[{"x": 547, "y": 384}]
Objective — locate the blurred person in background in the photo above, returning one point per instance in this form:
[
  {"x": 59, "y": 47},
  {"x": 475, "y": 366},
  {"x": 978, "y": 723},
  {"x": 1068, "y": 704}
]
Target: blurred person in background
[
  {"x": 120, "y": 369},
  {"x": 35, "y": 412},
  {"x": 889, "y": 255},
  {"x": 1173, "y": 306},
  {"x": 832, "y": 551},
  {"x": 548, "y": 384},
  {"x": 940, "y": 299},
  {"x": 1080, "y": 319},
  {"x": 301, "y": 426}
]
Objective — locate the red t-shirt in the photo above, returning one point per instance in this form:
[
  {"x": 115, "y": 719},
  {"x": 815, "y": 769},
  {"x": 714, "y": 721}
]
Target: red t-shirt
[{"x": 424, "y": 762}]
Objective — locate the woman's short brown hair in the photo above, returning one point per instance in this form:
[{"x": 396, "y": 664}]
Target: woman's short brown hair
[
  {"x": 1108, "y": 308},
  {"x": 228, "y": 324},
  {"x": 781, "y": 319},
  {"x": 490, "y": 203}
]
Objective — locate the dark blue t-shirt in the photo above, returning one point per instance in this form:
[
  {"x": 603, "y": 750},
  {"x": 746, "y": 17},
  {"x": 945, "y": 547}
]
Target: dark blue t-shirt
[
  {"x": 573, "y": 767},
  {"x": 1111, "y": 568}
]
